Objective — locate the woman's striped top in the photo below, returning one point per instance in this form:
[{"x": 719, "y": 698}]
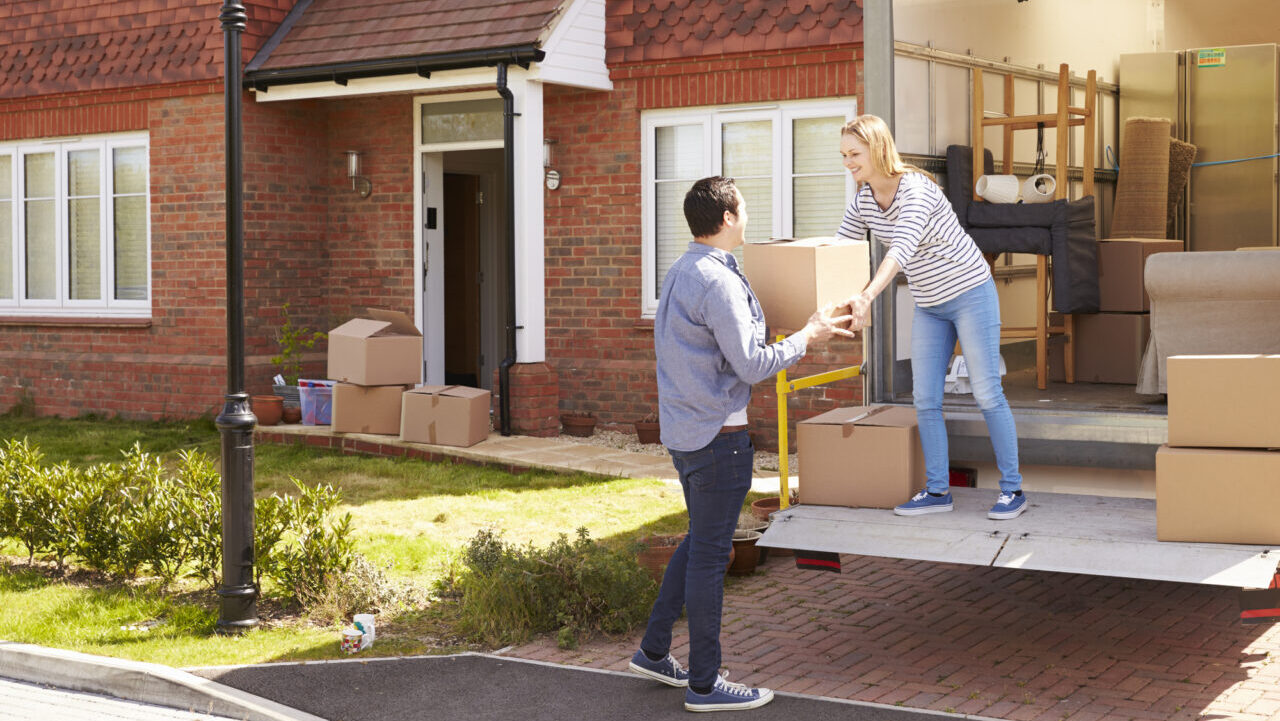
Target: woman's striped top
[{"x": 923, "y": 235}]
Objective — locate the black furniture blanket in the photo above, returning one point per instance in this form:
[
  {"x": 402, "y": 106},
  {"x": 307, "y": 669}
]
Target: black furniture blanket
[{"x": 1062, "y": 229}]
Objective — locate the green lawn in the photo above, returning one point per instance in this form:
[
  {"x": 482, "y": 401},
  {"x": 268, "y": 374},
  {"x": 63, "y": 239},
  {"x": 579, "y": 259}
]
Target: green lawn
[{"x": 408, "y": 516}]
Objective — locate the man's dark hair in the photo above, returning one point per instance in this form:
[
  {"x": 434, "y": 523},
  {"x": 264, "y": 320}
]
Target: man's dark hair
[{"x": 706, "y": 203}]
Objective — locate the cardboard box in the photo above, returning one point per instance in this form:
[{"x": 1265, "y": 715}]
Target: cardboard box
[
  {"x": 860, "y": 457},
  {"x": 1121, "y": 262},
  {"x": 793, "y": 278},
  {"x": 445, "y": 415},
  {"x": 1224, "y": 401},
  {"x": 1109, "y": 346},
  {"x": 381, "y": 348},
  {"x": 367, "y": 409},
  {"x": 1216, "y": 495}
]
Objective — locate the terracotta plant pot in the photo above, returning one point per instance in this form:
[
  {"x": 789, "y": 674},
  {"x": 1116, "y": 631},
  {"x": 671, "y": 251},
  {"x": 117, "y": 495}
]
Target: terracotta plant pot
[
  {"x": 648, "y": 431},
  {"x": 657, "y": 552},
  {"x": 761, "y": 508},
  {"x": 759, "y": 527},
  {"x": 268, "y": 409},
  {"x": 291, "y": 414},
  {"x": 745, "y": 553},
  {"x": 577, "y": 425}
]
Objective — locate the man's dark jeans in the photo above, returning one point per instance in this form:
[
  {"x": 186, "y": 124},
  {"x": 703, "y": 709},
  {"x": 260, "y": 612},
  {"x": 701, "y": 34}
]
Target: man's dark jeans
[{"x": 715, "y": 480}]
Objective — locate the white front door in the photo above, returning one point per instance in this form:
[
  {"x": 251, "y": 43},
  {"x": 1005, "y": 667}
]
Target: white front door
[{"x": 433, "y": 268}]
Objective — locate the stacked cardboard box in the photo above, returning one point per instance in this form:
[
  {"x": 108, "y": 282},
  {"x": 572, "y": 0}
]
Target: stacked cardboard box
[
  {"x": 374, "y": 358},
  {"x": 1108, "y": 345},
  {"x": 1218, "y": 479},
  {"x": 860, "y": 457}
]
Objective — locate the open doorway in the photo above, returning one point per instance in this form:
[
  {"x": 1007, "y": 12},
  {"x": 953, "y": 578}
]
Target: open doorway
[{"x": 469, "y": 293}]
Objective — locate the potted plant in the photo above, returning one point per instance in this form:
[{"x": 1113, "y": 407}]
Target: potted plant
[
  {"x": 578, "y": 424},
  {"x": 293, "y": 340},
  {"x": 647, "y": 429}
]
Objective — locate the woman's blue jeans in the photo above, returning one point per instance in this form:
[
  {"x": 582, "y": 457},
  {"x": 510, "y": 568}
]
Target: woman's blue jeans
[
  {"x": 974, "y": 319},
  {"x": 715, "y": 480}
]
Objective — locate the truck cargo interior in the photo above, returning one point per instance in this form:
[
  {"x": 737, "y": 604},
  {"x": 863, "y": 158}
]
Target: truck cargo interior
[{"x": 1160, "y": 115}]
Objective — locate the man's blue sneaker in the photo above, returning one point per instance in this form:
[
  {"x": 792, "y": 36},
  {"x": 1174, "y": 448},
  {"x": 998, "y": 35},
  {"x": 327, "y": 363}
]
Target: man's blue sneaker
[
  {"x": 727, "y": 696},
  {"x": 667, "y": 670},
  {"x": 1008, "y": 506},
  {"x": 922, "y": 503}
]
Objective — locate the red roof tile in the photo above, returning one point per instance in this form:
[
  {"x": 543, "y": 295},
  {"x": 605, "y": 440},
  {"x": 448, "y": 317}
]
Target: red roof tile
[
  {"x": 641, "y": 30},
  {"x": 64, "y": 46},
  {"x": 330, "y": 32}
]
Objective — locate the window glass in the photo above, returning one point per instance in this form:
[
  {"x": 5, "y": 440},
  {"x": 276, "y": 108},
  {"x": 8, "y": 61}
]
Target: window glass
[
  {"x": 129, "y": 210},
  {"x": 465, "y": 120},
  {"x": 818, "y": 184},
  {"x": 6, "y": 227},
  {"x": 40, "y": 224},
  {"x": 678, "y": 162},
  {"x": 84, "y": 228},
  {"x": 747, "y": 157},
  {"x": 130, "y": 248},
  {"x": 129, "y": 170}
]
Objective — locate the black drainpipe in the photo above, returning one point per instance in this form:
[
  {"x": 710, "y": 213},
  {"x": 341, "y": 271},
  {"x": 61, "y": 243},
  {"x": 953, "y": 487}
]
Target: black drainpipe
[{"x": 508, "y": 153}]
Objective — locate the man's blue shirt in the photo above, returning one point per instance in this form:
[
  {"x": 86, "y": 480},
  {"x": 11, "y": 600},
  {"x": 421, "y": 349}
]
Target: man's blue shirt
[{"x": 709, "y": 336}]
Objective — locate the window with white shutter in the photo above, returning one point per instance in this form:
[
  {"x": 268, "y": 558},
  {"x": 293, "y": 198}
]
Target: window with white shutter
[
  {"x": 74, "y": 231},
  {"x": 785, "y": 159}
]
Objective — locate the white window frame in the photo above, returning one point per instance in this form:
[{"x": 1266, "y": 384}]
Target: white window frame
[
  {"x": 712, "y": 120},
  {"x": 62, "y": 304}
]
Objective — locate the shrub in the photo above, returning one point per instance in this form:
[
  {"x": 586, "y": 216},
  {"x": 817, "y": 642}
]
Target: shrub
[
  {"x": 138, "y": 515},
  {"x": 506, "y": 593},
  {"x": 314, "y": 546}
]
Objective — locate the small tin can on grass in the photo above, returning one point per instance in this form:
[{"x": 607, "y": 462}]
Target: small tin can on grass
[{"x": 351, "y": 638}]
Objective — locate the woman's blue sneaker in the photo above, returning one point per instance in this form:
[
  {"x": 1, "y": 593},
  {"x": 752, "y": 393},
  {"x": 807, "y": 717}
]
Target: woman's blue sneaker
[
  {"x": 727, "y": 696},
  {"x": 1008, "y": 505},
  {"x": 667, "y": 670},
  {"x": 922, "y": 503}
]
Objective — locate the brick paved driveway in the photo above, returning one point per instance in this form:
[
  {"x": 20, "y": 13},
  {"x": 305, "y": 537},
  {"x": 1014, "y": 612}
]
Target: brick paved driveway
[{"x": 1024, "y": 645}]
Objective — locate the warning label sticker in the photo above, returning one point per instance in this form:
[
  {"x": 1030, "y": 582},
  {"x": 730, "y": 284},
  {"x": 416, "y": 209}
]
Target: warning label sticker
[{"x": 1213, "y": 58}]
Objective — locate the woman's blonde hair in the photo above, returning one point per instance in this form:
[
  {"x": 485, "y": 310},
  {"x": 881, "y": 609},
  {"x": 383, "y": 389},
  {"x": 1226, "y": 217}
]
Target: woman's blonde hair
[{"x": 873, "y": 131}]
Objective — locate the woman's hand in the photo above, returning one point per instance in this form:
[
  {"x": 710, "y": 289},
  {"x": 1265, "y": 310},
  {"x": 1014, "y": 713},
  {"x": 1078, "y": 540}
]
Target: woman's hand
[{"x": 860, "y": 308}]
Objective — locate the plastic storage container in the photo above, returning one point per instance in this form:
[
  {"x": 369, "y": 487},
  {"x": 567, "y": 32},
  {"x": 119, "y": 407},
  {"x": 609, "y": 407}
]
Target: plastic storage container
[{"x": 317, "y": 402}]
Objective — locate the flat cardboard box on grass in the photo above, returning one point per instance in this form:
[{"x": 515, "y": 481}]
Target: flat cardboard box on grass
[
  {"x": 1121, "y": 266},
  {"x": 861, "y": 457},
  {"x": 793, "y": 278},
  {"x": 445, "y": 415},
  {"x": 380, "y": 348},
  {"x": 367, "y": 409},
  {"x": 1217, "y": 495},
  {"x": 1224, "y": 401}
]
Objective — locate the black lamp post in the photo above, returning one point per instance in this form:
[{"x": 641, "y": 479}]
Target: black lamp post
[{"x": 239, "y": 595}]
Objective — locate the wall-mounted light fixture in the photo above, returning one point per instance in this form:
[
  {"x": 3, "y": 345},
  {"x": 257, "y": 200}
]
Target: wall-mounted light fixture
[
  {"x": 359, "y": 183},
  {"x": 553, "y": 177}
]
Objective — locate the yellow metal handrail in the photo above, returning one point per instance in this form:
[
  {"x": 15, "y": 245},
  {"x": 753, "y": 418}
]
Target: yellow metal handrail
[{"x": 784, "y": 387}]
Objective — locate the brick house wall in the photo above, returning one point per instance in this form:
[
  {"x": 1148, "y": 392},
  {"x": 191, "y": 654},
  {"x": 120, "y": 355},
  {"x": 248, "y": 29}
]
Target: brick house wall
[{"x": 597, "y": 342}]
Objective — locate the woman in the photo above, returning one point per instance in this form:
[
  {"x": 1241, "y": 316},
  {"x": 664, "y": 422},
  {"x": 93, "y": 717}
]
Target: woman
[{"x": 955, "y": 298}]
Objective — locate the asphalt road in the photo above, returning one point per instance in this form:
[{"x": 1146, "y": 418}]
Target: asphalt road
[{"x": 497, "y": 689}]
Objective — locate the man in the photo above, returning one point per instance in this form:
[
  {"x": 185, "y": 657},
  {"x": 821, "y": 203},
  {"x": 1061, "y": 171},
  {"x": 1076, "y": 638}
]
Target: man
[{"x": 709, "y": 335}]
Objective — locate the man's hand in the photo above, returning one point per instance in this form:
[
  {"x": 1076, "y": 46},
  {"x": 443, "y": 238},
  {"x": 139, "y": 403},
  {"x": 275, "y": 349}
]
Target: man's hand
[{"x": 823, "y": 324}]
